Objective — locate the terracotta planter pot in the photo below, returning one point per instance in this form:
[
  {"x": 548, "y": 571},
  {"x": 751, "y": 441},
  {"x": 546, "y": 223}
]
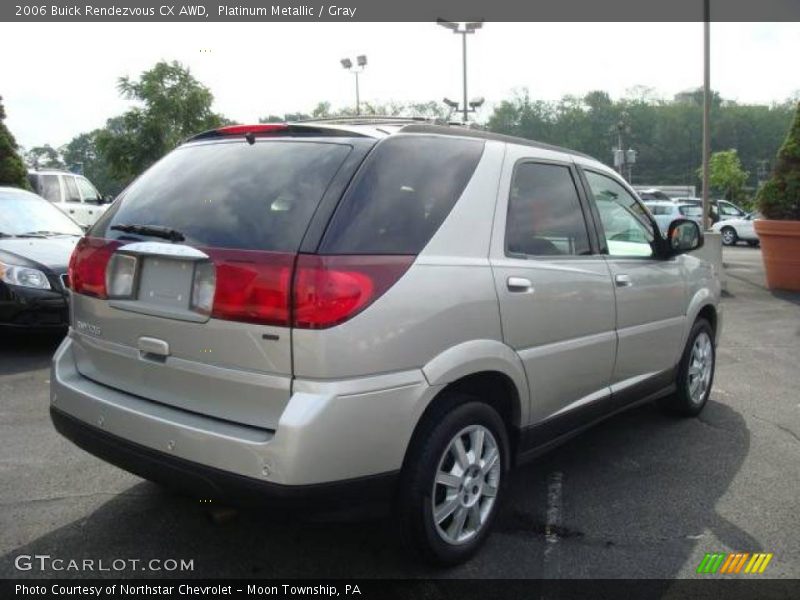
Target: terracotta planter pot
[{"x": 780, "y": 249}]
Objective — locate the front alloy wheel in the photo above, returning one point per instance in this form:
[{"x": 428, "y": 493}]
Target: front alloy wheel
[
  {"x": 701, "y": 367},
  {"x": 695, "y": 372},
  {"x": 729, "y": 237}
]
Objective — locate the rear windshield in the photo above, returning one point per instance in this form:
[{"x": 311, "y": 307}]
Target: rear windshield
[
  {"x": 401, "y": 195},
  {"x": 232, "y": 194}
]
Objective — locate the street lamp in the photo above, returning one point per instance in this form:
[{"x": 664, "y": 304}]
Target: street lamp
[
  {"x": 361, "y": 63},
  {"x": 469, "y": 28},
  {"x": 623, "y": 159}
]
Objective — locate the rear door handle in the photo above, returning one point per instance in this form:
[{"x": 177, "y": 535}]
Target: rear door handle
[
  {"x": 519, "y": 284},
  {"x": 623, "y": 280}
]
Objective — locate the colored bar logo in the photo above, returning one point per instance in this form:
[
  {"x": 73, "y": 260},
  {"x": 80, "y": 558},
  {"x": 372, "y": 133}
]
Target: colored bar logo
[{"x": 734, "y": 563}]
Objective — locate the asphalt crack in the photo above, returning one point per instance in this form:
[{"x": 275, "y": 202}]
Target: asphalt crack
[{"x": 779, "y": 426}]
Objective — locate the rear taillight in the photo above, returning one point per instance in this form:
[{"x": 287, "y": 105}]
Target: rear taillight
[
  {"x": 252, "y": 286},
  {"x": 87, "y": 266},
  {"x": 329, "y": 290}
]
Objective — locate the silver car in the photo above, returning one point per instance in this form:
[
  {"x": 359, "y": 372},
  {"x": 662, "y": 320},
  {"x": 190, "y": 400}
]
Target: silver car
[
  {"x": 355, "y": 312},
  {"x": 665, "y": 212}
]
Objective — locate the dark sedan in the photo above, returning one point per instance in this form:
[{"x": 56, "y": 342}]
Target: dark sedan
[{"x": 36, "y": 241}]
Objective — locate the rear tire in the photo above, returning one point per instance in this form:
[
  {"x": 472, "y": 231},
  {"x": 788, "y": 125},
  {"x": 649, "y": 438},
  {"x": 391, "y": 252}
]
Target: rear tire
[
  {"x": 695, "y": 372},
  {"x": 453, "y": 481},
  {"x": 753, "y": 243},
  {"x": 729, "y": 236}
]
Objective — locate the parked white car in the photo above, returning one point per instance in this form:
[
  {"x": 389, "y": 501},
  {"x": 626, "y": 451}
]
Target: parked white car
[
  {"x": 735, "y": 230},
  {"x": 73, "y": 194},
  {"x": 666, "y": 211}
]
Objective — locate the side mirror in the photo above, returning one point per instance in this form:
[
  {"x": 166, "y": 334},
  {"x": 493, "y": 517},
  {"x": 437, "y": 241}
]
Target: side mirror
[{"x": 684, "y": 235}]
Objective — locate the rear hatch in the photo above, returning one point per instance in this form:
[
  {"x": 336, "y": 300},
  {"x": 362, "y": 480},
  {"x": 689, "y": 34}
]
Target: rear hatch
[{"x": 182, "y": 290}]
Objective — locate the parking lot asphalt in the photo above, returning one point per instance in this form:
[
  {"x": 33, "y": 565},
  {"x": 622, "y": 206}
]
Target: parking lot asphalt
[{"x": 640, "y": 495}]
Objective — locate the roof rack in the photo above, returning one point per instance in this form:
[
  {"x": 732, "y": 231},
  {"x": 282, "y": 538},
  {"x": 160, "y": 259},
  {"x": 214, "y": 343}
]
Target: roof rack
[{"x": 371, "y": 120}]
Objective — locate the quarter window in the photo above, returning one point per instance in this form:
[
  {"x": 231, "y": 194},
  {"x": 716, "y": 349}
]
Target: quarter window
[
  {"x": 628, "y": 231},
  {"x": 71, "y": 189},
  {"x": 544, "y": 213}
]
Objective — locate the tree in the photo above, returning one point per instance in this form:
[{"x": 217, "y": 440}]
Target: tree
[
  {"x": 172, "y": 106},
  {"x": 12, "y": 169},
  {"x": 779, "y": 198},
  {"x": 81, "y": 154},
  {"x": 725, "y": 173},
  {"x": 44, "y": 157}
]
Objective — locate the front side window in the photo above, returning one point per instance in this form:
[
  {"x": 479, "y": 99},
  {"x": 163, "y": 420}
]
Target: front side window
[
  {"x": 544, "y": 213},
  {"x": 729, "y": 210},
  {"x": 628, "y": 231},
  {"x": 51, "y": 188},
  {"x": 87, "y": 190},
  {"x": 71, "y": 189}
]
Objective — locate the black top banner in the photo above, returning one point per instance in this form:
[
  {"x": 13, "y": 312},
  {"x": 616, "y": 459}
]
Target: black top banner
[{"x": 398, "y": 10}]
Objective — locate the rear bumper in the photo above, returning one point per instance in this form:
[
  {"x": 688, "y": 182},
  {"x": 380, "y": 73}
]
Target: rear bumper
[
  {"x": 343, "y": 432},
  {"x": 214, "y": 484}
]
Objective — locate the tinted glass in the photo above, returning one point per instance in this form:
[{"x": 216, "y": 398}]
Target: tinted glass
[
  {"x": 71, "y": 189},
  {"x": 627, "y": 229},
  {"x": 544, "y": 213},
  {"x": 23, "y": 212},
  {"x": 401, "y": 195},
  {"x": 232, "y": 194},
  {"x": 659, "y": 209},
  {"x": 729, "y": 210},
  {"x": 87, "y": 189},
  {"x": 691, "y": 211},
  {"x": 50, "y": 188}
]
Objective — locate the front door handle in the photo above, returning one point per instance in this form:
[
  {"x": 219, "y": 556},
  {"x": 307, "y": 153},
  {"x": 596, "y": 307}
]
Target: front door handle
[
  {"x": 623, "y": 280},
  {"x": 519, "y": 284}
]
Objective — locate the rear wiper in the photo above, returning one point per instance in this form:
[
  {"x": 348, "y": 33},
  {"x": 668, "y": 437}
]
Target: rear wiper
[{"x": 172, "y": 235}]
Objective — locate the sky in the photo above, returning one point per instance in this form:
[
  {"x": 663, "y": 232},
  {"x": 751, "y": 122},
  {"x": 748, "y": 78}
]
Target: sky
[{"x": 63, "y": 80}]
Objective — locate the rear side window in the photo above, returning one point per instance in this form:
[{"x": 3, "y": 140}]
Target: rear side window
[
  {"x": 50, "y": 189},
  {"x": 544, "y": 213},
  {"x": 232, "y": 194},
  {"x": 402, "y": 194}
]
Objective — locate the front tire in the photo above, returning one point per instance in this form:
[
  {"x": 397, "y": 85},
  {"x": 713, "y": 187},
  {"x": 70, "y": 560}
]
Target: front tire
[
  {"x": 695, "y": 372},
  {"x": 729, "y": 237},
  {"x": 453, "y": 481}
]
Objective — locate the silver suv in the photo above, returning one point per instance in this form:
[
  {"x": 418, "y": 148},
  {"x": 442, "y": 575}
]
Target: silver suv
[{"x": 351, "y": 313}]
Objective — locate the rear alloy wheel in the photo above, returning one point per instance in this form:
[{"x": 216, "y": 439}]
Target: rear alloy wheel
[
  {"x": 467, "y": 480},
  {"x": 729, "y": 237},
  {"x": 695, "y": 372},
  {"x": 453, "y": 481}
]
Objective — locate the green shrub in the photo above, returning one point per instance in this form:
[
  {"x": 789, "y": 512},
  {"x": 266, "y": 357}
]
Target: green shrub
[{"x": 779, "y": 198}]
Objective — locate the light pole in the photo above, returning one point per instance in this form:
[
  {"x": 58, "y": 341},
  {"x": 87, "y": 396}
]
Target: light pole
[
  {"x": 469, "y": 28},
  {"x": 361, "y": 63},
  {"x": 706, "y": 110},
  {"x": 623, "y": 159}
]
